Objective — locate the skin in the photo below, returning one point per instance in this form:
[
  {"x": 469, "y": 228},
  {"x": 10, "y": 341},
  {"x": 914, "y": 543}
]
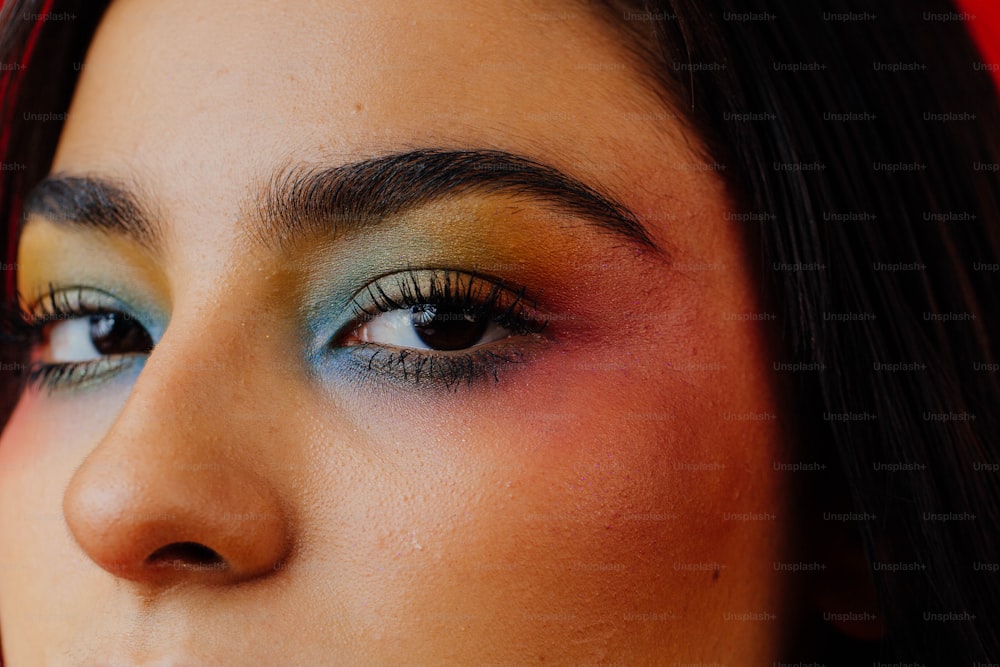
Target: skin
[{"x": 581, "y": 509}]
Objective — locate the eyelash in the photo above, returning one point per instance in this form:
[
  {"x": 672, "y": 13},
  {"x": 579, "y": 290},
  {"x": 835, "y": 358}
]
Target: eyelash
[
  {"x": 469, "y": 293},
  {"x": 517, "y": 313}
]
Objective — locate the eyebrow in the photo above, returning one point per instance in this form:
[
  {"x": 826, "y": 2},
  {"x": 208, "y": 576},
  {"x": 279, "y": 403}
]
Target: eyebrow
[
  {"x": 303, "y": 201},
  {"x": 92, "y": 202}
]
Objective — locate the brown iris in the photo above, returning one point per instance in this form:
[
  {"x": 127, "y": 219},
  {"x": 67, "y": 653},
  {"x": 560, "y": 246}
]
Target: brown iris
[
  {"x": 442, "y": 328},
  {"x": 115, "y": 333}
]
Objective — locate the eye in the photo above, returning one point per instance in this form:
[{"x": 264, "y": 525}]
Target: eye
[
  {"x": 79, "y": 336},
  {"x": 440, "y": 327},
  {"x": 92, "y": 336},
  {"x": 439, "y": 310}
]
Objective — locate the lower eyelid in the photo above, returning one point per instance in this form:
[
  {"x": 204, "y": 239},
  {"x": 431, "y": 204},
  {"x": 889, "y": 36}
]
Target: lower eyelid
[{"x": 411, "y": 368}]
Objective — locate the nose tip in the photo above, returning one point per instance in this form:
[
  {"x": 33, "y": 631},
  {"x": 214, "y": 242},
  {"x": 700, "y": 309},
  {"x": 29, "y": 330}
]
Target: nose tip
[{"x": 221, "y": 526}]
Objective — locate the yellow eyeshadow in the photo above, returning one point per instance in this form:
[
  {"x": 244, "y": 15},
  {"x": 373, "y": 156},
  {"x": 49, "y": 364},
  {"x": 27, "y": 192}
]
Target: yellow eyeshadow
[{"x": 50, "y": 253}]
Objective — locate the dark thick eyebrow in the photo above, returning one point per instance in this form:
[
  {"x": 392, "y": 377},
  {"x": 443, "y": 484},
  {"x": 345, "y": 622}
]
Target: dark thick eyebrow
[
  {"x": 94, "y": 202},
  {"x": 305, "y": 201}
]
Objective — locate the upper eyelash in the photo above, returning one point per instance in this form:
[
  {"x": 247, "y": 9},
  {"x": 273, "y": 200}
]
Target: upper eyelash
[
  {"x": 54, "y": 305},
  {"x": 519, "y": 315},
  {"x": 22, "y": 322}
]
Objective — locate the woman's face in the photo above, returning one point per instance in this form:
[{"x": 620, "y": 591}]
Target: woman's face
[{"x": 437, "y": 408}]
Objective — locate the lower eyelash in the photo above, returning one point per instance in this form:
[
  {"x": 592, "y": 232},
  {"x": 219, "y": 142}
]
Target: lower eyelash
[
  {"x": 447, "y": 371},
  {"x": 53, "y": 377}
]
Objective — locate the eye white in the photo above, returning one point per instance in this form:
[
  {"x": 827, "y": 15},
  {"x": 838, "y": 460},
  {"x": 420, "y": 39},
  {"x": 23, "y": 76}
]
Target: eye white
[
  {"x": 395, "y": 329},
  {"x": 71, "y": 341}
]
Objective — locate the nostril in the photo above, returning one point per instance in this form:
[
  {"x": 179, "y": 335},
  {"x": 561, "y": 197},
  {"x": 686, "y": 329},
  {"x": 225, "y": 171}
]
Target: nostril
[{"x": 186, "y": 556}]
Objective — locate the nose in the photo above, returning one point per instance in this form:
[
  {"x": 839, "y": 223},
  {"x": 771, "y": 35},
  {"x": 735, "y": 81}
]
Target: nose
[
  {"x": 177, "y": 490},
  {"x": 150, "y": 520}
]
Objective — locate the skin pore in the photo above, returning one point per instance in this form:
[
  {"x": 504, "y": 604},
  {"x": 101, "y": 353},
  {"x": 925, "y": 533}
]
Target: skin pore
[{"x": 584, "y": 500}]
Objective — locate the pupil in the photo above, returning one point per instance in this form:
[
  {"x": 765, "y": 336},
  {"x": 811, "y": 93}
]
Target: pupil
[
  {"x": 112, "y": 333},
  {"x": 442, "y": 328}
]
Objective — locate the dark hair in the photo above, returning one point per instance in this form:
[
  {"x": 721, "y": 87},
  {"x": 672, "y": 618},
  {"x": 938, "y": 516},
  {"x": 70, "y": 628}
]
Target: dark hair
[{"x": 875, "y": 213}]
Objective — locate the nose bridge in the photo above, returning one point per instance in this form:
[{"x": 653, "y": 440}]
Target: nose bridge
[
  {"x": 214, "y": 368},
  {"x": 179, "y": 486},
  {"x": 206, "y": 360}
]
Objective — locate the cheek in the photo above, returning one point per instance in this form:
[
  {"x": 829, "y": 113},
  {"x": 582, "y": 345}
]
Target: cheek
[
  {"x": 43, "y": 443},
  {"x": 583, "y": 507},
  {"x": 49, "y": 435}
]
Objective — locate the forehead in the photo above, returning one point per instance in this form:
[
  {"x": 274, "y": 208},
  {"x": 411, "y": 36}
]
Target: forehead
[{"x": 189, "y": 89}]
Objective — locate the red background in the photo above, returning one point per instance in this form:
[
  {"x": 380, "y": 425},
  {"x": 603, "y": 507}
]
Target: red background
[{"x": 986, "y": 29}]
